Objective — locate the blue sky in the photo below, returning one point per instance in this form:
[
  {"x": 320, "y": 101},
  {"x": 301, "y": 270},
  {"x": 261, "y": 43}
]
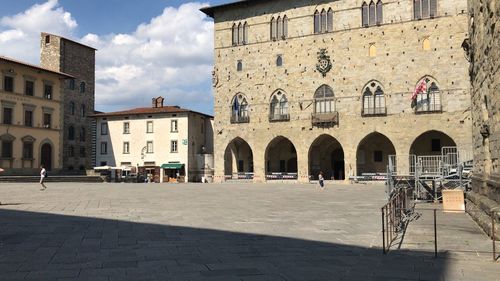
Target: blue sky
[{"x": 145, "y": 48}]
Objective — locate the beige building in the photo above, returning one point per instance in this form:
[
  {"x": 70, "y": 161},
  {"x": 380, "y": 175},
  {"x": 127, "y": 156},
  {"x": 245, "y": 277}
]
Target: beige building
[
  {"x": 484, "y": 54},
  {"x": 31, "y": 121},
  {"x": 309, "y": 86},
  {"x": 167, "y": 142}
]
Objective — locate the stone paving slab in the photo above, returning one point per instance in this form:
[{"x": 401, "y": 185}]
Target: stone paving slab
[{"x": 250, "y": 232}]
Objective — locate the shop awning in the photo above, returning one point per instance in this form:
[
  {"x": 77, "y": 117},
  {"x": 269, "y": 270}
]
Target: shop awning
[{"x": 172, "y": 166}]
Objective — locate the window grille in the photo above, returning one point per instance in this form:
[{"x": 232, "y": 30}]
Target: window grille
[{"x": 373, "y": 100}]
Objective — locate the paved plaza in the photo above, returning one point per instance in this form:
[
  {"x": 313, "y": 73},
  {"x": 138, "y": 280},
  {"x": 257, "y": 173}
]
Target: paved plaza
[{"x": 77, "y": 231}]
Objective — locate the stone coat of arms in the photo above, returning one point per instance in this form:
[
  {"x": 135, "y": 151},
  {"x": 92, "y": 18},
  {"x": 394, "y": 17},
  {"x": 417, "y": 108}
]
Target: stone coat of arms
[{"x": 324, "y": 64}]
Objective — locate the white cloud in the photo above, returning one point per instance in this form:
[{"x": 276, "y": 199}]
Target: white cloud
[
  {"x": 20, "y": 33},
  {"x": 171, "y": 55}
]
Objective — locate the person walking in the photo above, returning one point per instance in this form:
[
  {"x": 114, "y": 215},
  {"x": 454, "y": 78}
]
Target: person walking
[
  {"x": 321, "y": 180},
  {"x": 43, "y": 174}
]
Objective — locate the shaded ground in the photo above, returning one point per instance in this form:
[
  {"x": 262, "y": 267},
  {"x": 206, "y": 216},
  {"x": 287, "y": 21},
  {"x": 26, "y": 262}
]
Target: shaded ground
[{"x": 208, "y": 232}]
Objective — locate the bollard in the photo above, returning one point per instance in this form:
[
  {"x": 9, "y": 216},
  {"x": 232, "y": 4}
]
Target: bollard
[{"x": 435, "y": 236}]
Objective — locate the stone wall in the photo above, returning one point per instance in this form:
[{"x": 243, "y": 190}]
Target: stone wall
[
  {"x": 400, "y": 62},
  {"x": 484, "y": 53},
  {"x": 77, "y": 60}
]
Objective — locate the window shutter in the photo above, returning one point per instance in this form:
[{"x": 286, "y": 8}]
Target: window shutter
[
  {"x": 364, "y": 14},
  {"x": 416, "y": 9},
  {"x": 323, "y": 21},
  {"x": 380, "y": 14},
  {"x": 273, "y": 29},
  {"x": 245, "y": 33},
  {"x": 235, "y": 35},
  {"x": 433, "y": 8},
  {"x": 316, "y": 22},
  {"x": 285, "y": 27},
  {"x": 425, "y": 8},
  {"x": 330, "y": 20},
  {"x": 279, "y": 31},
  {"x": 372, "y": 14}
]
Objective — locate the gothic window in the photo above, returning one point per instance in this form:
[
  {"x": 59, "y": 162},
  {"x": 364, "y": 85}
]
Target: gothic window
[
  {"x": 273, "y": 29},
  {"x": 278, "y": 110},
  {"x": 380, "y": 13},
  {"x": 324, "y": 100},
  {"x": 323, "y": 20},
  {"x": 240, "y": 33},
  {"x": 71, "y": 133},
  {"x": 423, "y": 9},
  {"x": 285, "y": 27},
  {"x": 373, "y": 99},
  {"x": 317, "y": 20},
  {"x": 239, "y": 66},
  {"x": 234, "y": 31},
  {"x": 371, "y": 14},
  {"x": 427, "y": 96},
  {"x": 329, "y": 20},
  {"x": 239, "y": 109},
  {"x": 364, "y": 14},
  {"x": 279, "y": 60},
  {"x": 280, "y": 28},
  {"x": 245, "y": 33}
]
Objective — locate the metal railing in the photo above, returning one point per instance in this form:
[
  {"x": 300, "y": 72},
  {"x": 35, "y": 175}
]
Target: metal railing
[
  {"x": 325, "y": 119},
  {"x": 237, "y": 119},
  {"x": 279, "y": 117},
  {"x": 429, "y": 103},
  {"x": 374, "y": 111},
  {"x": 282, "y": 176},
  {"x": 395, "y": 216}
]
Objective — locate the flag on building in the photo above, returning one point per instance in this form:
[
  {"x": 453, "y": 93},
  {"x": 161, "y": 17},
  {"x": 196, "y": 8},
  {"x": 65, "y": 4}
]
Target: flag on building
[{"x": 421, "y": 88}]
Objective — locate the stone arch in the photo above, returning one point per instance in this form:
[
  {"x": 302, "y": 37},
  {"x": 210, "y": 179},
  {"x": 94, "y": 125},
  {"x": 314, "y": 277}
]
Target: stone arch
[
  {"x": 372, "y": 153},
  {"x": 281, "y": 156},
  {"x": 327, "y": 155},
  {"x": 238, "y": 158},
  {"x": 430, "y": 143}
]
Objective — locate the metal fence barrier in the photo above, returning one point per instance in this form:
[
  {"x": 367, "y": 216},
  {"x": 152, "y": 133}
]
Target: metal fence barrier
[{"x": 395, "y": 216}]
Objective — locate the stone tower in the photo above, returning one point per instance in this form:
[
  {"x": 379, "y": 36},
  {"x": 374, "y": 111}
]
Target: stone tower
[{"x": 65, "y": 55}]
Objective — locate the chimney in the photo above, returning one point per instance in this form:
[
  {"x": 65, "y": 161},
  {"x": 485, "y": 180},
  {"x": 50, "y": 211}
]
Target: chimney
[{"x": 158, "y": 102}]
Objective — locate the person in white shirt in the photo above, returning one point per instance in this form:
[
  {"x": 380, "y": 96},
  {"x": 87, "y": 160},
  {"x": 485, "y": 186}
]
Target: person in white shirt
[
  {"x": 321, "y": 180},
  {"x": 43, "y": 173}
]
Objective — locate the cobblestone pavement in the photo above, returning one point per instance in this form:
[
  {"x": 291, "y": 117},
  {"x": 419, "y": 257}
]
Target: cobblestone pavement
[{"x": 219, "y": 232}]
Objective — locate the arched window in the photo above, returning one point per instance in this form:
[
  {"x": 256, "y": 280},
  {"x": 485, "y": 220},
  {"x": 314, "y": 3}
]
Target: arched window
[
  {"x": 371, "y": 17},
  {"x": 239, "y": 109},
  {"x": 273, "y": 29},
  {"x": 82, "y": 87},
  {"x": 72, "y": 108},
  {"x": 278, "y": 110},
  {"x": 279, "y": 32},
  {"x": 380, "y": 13},
  {"x": 71, "y": 133},
  {"x": 317, "y": 22},
  {"x": 234, "y": 31},
  {"x": 423, "y": 9},
  {"x": 279, "y": 60},
  {"x": 364, "y": 14},
  {"x": 427, "y": 96},
  {"x": 82, "y": 134},
  {"x": 324, "y": 100},
  {"x": 245, "y": 33},
  {"x": 239, "y": 66},
  {"x": 285, "y": 27},
  {"x": 323, "y": 20},
  {"x": 240, "y": 33},
  {"x": 373, "y": 100},
  {"x": 329, "y": 19},
  {"x": 372, "y": 50}
]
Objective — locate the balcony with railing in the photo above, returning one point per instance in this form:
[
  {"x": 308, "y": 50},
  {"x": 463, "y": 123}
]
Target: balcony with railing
[
  {"x": 325, "y": 119},
  {"x": 276, "y": 117},
  {"x": 428, "y": 103},
  {"x": 374, "y": 111},
  {"x": 238, "y": 119}
]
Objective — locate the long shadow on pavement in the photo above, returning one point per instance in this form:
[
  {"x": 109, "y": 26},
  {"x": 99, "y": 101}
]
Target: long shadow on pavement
[{"x": 39, "y": 246}]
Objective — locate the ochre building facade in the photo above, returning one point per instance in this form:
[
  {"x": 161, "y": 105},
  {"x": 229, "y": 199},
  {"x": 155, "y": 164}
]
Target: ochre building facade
[
  {"x": 31, "y": 103},
  {"x": 307, "y": 86}
]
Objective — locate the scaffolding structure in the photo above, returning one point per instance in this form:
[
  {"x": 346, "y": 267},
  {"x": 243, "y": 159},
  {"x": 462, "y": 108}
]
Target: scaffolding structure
[{"x": 428, "y": 175}]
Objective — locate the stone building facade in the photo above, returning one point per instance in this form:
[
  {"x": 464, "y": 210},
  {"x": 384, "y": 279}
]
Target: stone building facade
[
  {"x": 307, "y": 86},
  {"x": 31, "y": 117},
  {"x": 484, "y": 53},
  {"x": 78, "y": 60},
  {"x": 168, "y": 143}
]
